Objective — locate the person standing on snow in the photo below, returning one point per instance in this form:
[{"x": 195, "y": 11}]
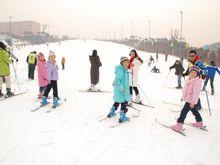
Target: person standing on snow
[
  {"x": 121, "y": 90},
  {"x": 63, "y": 61},
  {"x": 179, "y": 71},
  {"x": 194, "y": 60},
  {"x": 190, "y": 95},
  {"x": 211, "y": 70},
  {"x": 94, "y": 70},
  {"x": 32, "y": 62},
  {"x": 134, "y": 65},
  {"x": 5, "y": 70},
  {"x": 42, "y": 74},
  {"x": 52, "y": 77}
]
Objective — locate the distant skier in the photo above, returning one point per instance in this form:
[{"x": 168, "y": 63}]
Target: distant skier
[
  {"x": 5, "y": 70},
  {"x": 151, "y": 59},
  {"x": 32, "y": 62},
  {"x": 155, "y": 70},
  {"x": 121, "y": 90},
  {"x": 42, "y": 74},
  {"x": 134, "y": 65},
  {"x": 166, "y": 57},
  {"x": 157, "y": 57},
  {"x": 52, "y": 77},
  {"x": 94, "y": 70},
  {"x": 63, "y": 61},
  {"x": 179, "y": 71},
  {"x": 211, "y": 70},
  {"x": 190, "y": 95}
]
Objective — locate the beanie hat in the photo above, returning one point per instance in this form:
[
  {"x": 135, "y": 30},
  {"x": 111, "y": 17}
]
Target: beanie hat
[
  {"x": 122, "y": 59},
  {"x": 195, "y": 68},
  {"x": 51, "y": 53}
]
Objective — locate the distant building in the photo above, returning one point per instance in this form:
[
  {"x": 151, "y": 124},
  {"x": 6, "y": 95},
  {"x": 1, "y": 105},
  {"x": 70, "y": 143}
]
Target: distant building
[{"x": 20, "y": 28}]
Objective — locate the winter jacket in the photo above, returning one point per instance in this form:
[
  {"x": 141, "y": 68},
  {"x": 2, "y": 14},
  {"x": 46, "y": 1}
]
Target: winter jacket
[
  {"x": 179, "y": 68},
  {"x": 134, "y": 71},
  {"x": 52, "y": 71},
  {"x": 94, "y": 70},
  {"x": 211, "y": 70},
  {"x": 31, "y": 59},
  {"x": 42, "y": 73},
  {"x": 191, "y": 90},
  {"x": 4, "y": 63},
  {"x": 121, "y": 85}
]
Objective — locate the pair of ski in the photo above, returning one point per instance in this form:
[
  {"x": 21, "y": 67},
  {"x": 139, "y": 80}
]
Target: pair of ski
[
  {"x": 142, "y": 104},
  {"x": 4, "y": 97},
  {"x": 51, "y": 108},
  {"x": 181, "y": 132}
]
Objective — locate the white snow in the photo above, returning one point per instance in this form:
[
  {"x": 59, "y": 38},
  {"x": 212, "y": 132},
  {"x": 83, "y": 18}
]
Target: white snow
[{"x": 73, "y": 135}]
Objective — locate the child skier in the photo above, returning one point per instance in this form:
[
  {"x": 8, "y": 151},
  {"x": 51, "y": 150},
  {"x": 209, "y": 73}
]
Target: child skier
[
  {"x": 42, "y": 74},
  {"x": 52, "y": 77},
  {"x": 190, "y": 95},
  {"x": 134, "y": 65},
  {"x": 121, "y": 90}
]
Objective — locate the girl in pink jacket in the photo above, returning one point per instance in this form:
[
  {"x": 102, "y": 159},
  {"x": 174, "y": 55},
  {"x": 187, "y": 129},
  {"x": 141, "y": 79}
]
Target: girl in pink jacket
[
  {"x": 190, "y": 95},
  {"x": 42, "y": 74}
]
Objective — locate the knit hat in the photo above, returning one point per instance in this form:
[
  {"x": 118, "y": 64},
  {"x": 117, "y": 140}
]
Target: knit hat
[
  {"x": 122, "y": 59},
  {"x": 52, "y": 53},
  {"x": 195, "y": 68}
]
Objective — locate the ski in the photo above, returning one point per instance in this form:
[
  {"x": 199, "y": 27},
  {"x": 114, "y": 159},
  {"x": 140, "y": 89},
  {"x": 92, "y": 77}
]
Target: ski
[
  {"x": 39, "y": 107},
  {"x": 204, "y": 128},
  {"x": 17, "y": 94},
  {"x": 52, "y": 108},
  {"x": 90, "y": 91},
  {"x": 146, "y": 105},
  {"x": 119, "y": 124},
  {"x": 165, "y": 102},
  {"x": 134, "y": 108},
  {"x": 166, "y": 126}
]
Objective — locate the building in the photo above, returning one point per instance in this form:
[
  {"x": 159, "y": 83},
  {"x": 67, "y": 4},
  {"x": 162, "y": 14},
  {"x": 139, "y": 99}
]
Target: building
[{"x": 20, "y": 28}]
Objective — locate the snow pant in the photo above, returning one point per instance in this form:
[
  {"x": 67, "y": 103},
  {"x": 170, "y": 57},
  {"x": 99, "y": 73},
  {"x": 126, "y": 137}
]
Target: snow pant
[
  {"x": 135, "y": 90},
  {"x": 123, "y": 106},
  {"x": 185, "y": 110},
  {"x": 42, "y": 89},
  {"x": 7, "y": 81},
  {"x": 179, "y": 80},
  {"x": 31, "y": 69},
  {"x": 63, "y": 66},
  {"x": 198, "y": 105},
  {"x": 94, "y": 75},
  {"x": 53, "y": 84},
  {"x": 211, "y": 83}
]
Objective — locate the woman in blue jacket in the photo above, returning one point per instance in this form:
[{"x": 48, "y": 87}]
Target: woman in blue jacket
[
  {"x": 121, "y": 90},
  {"x": 210, "y": 73}
]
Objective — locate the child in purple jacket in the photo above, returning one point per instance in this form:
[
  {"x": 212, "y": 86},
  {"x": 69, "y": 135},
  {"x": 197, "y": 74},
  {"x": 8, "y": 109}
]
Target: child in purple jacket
[
  {"x": 190, "y": 95},
  {"x": 52, "y": 77}
]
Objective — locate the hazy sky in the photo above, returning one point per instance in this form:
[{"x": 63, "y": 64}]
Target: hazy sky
[{"x": 106, "y": 18}]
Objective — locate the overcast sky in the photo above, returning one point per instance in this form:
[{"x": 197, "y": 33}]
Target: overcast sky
[{"x": 104, "y": 18}]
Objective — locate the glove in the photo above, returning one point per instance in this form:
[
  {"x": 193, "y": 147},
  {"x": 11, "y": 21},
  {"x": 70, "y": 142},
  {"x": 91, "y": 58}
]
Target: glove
[
  {"x": 12, "y": 60},
  {"x": 204, "y": 76},
  {"x": 16, "y": 60},
  {"x": 170, "y": 68}
]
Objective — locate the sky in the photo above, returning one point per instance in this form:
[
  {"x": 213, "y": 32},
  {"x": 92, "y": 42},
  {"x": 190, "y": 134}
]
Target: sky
[{"x": 117, "y": 18}]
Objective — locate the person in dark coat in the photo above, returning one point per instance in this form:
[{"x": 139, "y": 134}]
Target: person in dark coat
[
  {"x": 94, "y": 70},
  {"x": 32, "y": 62},
  {"x": 179, "y": 71}
]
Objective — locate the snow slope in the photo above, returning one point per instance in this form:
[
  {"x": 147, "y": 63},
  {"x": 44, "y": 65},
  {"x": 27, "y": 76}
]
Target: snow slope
[{"x": 73, "y": 134}]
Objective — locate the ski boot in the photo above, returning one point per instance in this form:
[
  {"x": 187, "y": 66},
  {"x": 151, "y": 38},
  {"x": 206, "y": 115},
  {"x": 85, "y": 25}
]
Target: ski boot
[
  {"x": 177, "y": 127},
  {"x": 179, "y": 87},
  {"x": 9, "y": 93},
  {"x": 44, "y": 101},
  {"x": 123, "y": 117},
  {"x": 212, "y": 92},
  {"x": 198, "y": 124},
  {"x": 112, "y": 112},
  {"x": 1, "y": 94},
  {"x": 137, "y": 99},
  {"x": 55, "y": 102}
]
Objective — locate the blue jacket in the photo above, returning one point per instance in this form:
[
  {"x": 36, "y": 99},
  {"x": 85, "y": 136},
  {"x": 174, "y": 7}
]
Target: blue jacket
[
  {"x": 211, "y": 70},
  {"x": 121, "y": 85}
]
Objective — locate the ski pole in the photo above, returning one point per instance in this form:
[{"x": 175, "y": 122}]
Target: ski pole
[
  {"x": 166, "y": 78},
  {"x": 145, "y": 94},
  {"x": 16, "y": 77},
  {"x": 208, "y": 102}
]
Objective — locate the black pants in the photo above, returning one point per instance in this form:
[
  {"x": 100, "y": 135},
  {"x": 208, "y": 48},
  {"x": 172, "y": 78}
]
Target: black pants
[
  {"x": 123, "y": 106},
  {"x": 53, "y": 85},
  {"x": 31, "y": 69},
  {"x": 185, "y": 110},
  {"x": 211, "y": 83},
  {"x": 135, "y": 90},
  {"x": 42, "y": 89},
  {"x": 63, "y": 66}
]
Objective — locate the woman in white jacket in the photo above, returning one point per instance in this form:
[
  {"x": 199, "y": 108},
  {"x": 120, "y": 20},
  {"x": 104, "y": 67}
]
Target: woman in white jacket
[{"x": 134, "y": 65}]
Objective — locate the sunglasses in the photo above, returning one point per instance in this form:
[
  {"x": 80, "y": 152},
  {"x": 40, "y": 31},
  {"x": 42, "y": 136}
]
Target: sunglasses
[{"x": 191, "y": 56}]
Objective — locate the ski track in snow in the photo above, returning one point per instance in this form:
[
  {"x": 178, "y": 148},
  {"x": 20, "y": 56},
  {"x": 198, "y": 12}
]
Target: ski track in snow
[{"x": 74, "y": 134}]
